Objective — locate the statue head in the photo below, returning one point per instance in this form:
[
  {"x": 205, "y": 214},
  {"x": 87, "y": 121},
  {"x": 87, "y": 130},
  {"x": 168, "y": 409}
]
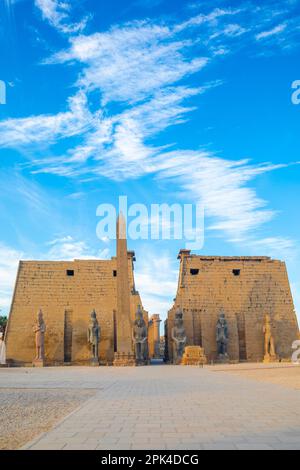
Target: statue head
[
  {"x": 40, "y": 318},
  {"x": 94, "y": 317},
  {"x": 178, "y": 317},
  {"x": 139, "y": 318},
  {"x": 222, "y": 318},
  {"x": 268, "y": 318}
]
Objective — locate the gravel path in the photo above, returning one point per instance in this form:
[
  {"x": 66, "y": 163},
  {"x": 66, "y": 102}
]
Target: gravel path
[{"x": 25, "y": 413}]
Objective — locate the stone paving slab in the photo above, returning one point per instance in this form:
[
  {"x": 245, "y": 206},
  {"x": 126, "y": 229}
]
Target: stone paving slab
[
  {"x": 172, "y": 407},
  {"x": 285, "y": 374}
]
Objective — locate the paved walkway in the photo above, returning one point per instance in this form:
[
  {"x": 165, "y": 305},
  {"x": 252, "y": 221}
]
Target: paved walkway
[{"x": 171, "y": 407}]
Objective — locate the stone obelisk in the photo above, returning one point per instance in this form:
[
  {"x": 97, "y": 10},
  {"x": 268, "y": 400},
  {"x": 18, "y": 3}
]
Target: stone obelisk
[{"x": 124, "y": 355}]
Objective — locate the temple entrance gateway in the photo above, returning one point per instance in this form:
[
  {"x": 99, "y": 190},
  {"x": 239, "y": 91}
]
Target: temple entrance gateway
[{"x": 232, "y": 308}]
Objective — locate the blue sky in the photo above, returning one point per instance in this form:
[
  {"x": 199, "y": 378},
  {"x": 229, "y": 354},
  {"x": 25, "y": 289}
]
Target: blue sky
[{"x": 162, "y": 101}]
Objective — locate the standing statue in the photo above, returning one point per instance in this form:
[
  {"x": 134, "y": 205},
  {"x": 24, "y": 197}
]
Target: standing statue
[
  {"x": 93, "y": 337},
  {"x": 39, "y": 330},
  {"x": 222, "y": 336},
  {"x": 2, "y": 350},
  {"x": 140, "y": 336},
  {"x": 270, "y": 354},
  {"x": 178, "y": 336}
]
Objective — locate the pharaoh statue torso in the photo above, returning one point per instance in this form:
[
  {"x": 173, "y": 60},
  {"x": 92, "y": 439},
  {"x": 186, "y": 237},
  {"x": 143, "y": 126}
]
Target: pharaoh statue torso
[
  {"x": 222, "y": 336},
  {"x": 39, "y": 330},
  {"x": 178, "y": 337},
  {"x": 140, "y": 336},
  {"x": 93, "y": 335},
  {"x": 270, "y": 352}
]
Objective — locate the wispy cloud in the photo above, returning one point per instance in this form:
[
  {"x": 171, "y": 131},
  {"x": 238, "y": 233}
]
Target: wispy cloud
[
  {"x": 48, "y": 128},
  {"x": 272, "y": 32},
  {"x": 57, "y": 13},
  {"x": 210, "y": 18},
  {"x": 121, "y": 62},
  {"x": 67, "y": 249},
  {"x": 221, "y": 186},
  {"x": 275, "y": 247},
  {"x": 275, "y": 244}
]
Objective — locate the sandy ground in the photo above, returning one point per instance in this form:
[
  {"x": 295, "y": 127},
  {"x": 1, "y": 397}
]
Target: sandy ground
[
  {"x": 25, "y": 413},
  {"x": 287, "y": 375}
]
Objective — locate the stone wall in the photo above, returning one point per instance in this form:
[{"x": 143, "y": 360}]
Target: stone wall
[
  {"x": 67, "y": 292},
  {"x": 246, "y": 288}
]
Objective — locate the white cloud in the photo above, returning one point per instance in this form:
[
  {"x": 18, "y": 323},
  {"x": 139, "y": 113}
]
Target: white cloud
[
  {"x": 116, "y": 145},
  {"x": 272, "y": 32},
  {"x": 67, "y": 249},
  {"x": 274, "y": 246},
  {"x": 130, "y": 63},
  {"x": 48, "y": 128},
  {"x": 210, "y": 18},
  {"x": 57, "y": 13},
  {"x": 231, "y": 30},
  {"x": 221, "y": 186}
]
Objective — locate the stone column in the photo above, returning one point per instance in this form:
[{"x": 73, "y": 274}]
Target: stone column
[
  {"x": 156, "y": 336},
  {"x": 124, "y": 355}
]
